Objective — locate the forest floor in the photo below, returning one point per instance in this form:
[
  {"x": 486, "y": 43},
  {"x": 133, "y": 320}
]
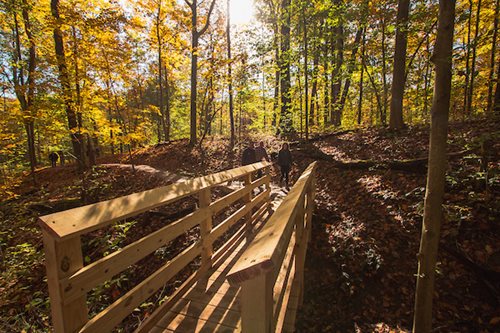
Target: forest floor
[{"x": 361, "y": 262}]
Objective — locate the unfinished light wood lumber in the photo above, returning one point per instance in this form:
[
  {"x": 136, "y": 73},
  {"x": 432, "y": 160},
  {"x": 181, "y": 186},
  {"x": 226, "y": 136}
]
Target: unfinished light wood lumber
[
  {"x": 274, "y": 260},
  {"x": 84, "y": 219},
  {"x": 69, "y": 280}
]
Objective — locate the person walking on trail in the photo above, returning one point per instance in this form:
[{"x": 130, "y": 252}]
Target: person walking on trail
[
  {"x": 285, "y": 163},
  {"x": 248, "y": 155},
  {"x": 261, "y": 153},
  {"x": 61, "y": 157},
  {"x": 53, "y": 157}
]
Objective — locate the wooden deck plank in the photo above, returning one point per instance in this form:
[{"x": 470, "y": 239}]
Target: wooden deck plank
[
  {"x": 227, "y": 316},
  {"x": 223, "y": 299},
  {"x": 212, "y": 304},
  {"x": 175, "y": 322}
]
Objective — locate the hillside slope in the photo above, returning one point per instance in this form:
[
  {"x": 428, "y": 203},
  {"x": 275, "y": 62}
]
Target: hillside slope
[{"x": 362, "y": 256}]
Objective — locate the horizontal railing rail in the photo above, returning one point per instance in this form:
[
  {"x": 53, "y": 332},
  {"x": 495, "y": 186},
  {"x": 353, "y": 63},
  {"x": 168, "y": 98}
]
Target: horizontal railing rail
[
  {"x": 274, "y": 260},
  {"x": 69, "y": 280}
]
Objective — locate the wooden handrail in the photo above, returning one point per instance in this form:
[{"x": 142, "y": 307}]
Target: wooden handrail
[
  {"x": 69, "y": 280},
  {"x": 269, "y": 244},
  {"x": 274, "y": 261},
  {"x": 85, "y": 219}
]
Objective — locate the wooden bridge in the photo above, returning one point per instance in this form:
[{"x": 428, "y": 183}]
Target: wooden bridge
[{"x": 253, "y": 282}]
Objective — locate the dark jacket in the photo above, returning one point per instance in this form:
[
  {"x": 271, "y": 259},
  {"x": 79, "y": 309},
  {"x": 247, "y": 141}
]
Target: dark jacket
[
  {"x": 248, "y": 156},
  {"x": 284, "y": 157},
  {"x": 53, "y": 156},
  {"x": 260, "y": 153}
]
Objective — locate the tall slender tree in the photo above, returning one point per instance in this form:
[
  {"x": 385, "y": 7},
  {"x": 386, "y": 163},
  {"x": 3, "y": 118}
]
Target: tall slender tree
[
  {"x": 398, "y": 74},
  {"x": 195, "y": 37},
  {"x": 489, "y": 107},
  {"x": 229, "y": 74},
  {"x": 23, "y": 75},
  {"x": 361, "y": 77},
  {"x": 473, "y": 74},
  {"x": 350, "y": 69},
  {"x": 158, "y": 22},
  {"x": 306, "y": 69},
  {"x": 383, "y": 23},
  {"x": 64, "y": 79},
  {"x": 433, "y": 210},
  {"x": 339, "y": 61},
  {"x": 467, "y": 59},
  {"x": 286, "y": 126}
]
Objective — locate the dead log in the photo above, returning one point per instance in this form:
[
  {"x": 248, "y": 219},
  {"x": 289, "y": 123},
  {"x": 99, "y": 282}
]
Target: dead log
[{"x": 417, "y": 165}]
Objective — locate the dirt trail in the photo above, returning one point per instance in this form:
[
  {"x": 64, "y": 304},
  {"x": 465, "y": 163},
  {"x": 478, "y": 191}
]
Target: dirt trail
[{"x": 167, "y": 175}]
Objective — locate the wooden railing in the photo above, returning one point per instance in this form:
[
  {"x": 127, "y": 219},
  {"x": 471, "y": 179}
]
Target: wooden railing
[
  {"x": 271, "y": 270},
  {"x": 69, "y": 280}
]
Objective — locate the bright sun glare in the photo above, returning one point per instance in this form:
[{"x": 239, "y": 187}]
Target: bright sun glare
[{"x": 242, "y": 12}]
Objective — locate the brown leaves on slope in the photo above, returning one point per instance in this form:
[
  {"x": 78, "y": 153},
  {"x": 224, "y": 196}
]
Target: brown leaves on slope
[{"x": 362, "y": 256}]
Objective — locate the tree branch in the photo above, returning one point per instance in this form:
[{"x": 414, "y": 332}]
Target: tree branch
[
  {"x": 418, "y": 48},
  {"x": 205, "y": 27}
]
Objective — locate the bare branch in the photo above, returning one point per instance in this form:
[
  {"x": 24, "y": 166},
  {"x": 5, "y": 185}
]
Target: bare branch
[
  {"x": 408, "y": 67},
  {"x": 205, "y": 27}
]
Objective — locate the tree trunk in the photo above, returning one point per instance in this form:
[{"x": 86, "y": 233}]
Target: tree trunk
[
  {"x": 491, "y": 76},
  {"x": 25, "y": 88},
  {"x": 473, "y": 60},
  {"x": 360, "y": 100},
  {"x": 167, "y": 105},
  {"x": 467, "y": 61},
  {"x": 326, "y": 64},
  {"x": 194, "y": 73},
  {"x": 314, "y": 90},
  {"x": 160, "y": 68},
  {"x": 75, "y": 135},
  {"x": 326, "y": 97},
  {"x": 276, "y": 45},
  {"x": 79, "y": 100},
  {"x": 350, "y": 69},
  {"x": 195, "y": 36},
  {"x": 337, "y": 79},
  {"x": 277, "y": 80},
  {"x": 427, "y": 257},
  {"x": 229, "y": 76},
  {"x": 398, "y": 75},
  {"x": 286, "y": 125},
  {"x": 496, "y": 101},
  {"x": 306, "y": 71},
  {"x": 383, "y": 116}
]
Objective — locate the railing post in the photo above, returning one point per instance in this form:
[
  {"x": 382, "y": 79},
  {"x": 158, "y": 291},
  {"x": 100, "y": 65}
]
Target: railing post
[
  {"x": 62, "y": 259},
  {"x": 257, "y": 304},
  {"x": 247, "y": 199},
  {"x": 205, "y": 197}
]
